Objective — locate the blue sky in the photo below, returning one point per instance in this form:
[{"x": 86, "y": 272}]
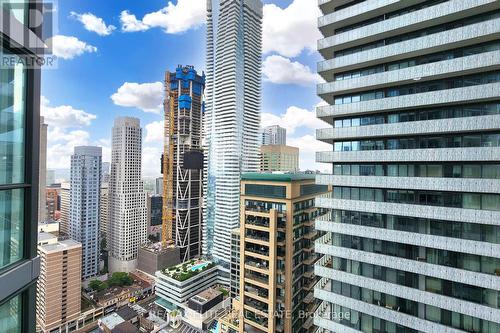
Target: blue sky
[{"x": 112, "y": 59}]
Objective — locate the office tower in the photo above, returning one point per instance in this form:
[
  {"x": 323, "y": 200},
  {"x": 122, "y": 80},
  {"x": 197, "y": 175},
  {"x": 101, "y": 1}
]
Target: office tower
[
  {"x": 104, "y": 214},
  {"x": 155, "y": 215},
  {"x": 277, "y": 251},
  {"x": 106, "y": 170},
  {"x": 232, "y": 116},
  {"x": 19, "y": 164},
  {"x": 235, "y": 264},
  {"x": 65, "y": 209},
  {"x": 42, "y": 173},
  {"x": 158, "y": 186},
  {"x": 127, "y": 226},
  {"x": 59, "y": 285},
  {"x": 85, "y": 205},
  {"x": 412, "y": 242},
  {"x": 183, "y": 159},
  {"x": 51, "y": 177},
  {"x": 52, "y": 193},
  {"x": 274, "y": 135},
  {"x": 279, "y": 158}
]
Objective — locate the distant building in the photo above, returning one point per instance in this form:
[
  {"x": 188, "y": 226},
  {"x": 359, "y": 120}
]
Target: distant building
[
  {"x": 106, "y": 171},
  {"x": 59, "y": 285},
  {"x": 65, "y": 209},
  {"x": 279, "y": 158},
  {"x": 155, "y": 214},
  {"x": 85, "y": 205},
  {"x": 51, "y": 177},
  {"x": 104, "y": 213},
  {"x": 232, "y": 117},
  {"x": 127, "y": 227},
  {"x": 277, "y": 251},
  {"x": 158, "y": 186},
  {"x": 274, "y": 135},
  {"x": 52, "y": 201},
  {"x": 42, "y": 172},
  {"x": 184, "y": 91}
]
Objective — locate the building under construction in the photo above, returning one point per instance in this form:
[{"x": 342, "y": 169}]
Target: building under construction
[{"x": 183, "y": 161}]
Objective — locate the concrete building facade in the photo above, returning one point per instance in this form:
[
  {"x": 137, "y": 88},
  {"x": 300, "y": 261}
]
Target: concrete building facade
[
  {"x": 274, "y": 135},
  {"x": 279, "y": 158},
  {"x": 127, "y": 228},
  {"x": 412, "y": 241}
]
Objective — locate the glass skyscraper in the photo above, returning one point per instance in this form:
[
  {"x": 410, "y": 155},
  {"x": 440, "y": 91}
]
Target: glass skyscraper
[
  {"x": 19, "y": 151},
  {"x": 232, "y": 116},
  {"x": 412, "y": 240}
]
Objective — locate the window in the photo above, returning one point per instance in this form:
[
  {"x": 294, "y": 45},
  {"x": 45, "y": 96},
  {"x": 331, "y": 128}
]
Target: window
[
  {"x": 12, "y": 114},
  {"x": 11, "y": 226},
  {"x": 10, "y": 316}
]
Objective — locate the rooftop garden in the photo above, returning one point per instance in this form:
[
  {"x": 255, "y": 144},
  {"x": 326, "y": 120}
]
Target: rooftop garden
[{"x": 188, "y": 269}]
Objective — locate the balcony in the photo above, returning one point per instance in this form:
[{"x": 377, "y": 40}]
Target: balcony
[{"x": 258, "y": 221}]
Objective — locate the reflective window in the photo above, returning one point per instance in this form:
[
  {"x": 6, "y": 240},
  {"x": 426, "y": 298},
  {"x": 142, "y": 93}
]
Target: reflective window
[
  {"x": 10, "y": 316},
  {"x": 11, "y": 226},
  {"x": 12, "y": 122}
]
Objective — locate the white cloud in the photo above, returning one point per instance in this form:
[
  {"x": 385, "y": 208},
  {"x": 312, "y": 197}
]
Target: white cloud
[
  {"x": 173, "y": 19},
  {"x": 130, "y": 23},
  {"x": 151, "y": 160},
  {"x": 154, "y": 132},
  {"x": 294, "y": 118},
  {"x": 68, "y": 47},
  {"x": 61, "y": 145},
  {"x": 288, "y": 31},
  {"x": 308, "y": 147},
  {"x": 94, "y": 23},
  {"x": 281, "y": 70},
  {"x": 64, "y": 116},
  {"x": 145, "y": 96}
]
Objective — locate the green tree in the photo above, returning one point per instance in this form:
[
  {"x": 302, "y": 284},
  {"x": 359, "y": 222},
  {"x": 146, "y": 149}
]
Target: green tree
[
  {"x": 120, "y": 279},
  {"x": 97, "y": 285}
]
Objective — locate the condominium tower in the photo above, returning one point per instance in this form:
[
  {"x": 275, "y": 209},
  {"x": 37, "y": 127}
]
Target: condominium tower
[
  {"x": 412, "y": 241},
  {"x": 183, "y": 185},
  {"x": 232, "y": 117},
  {"x": 127, "y": 228},
  {"x": 85, "y": 205},
  {"x": 274, "y": 135},
  {"x": 277, "y": 252},
  {"x": 19, "y": 165}
]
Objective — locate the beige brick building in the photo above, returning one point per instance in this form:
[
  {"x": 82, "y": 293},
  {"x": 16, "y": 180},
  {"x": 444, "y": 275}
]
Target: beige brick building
[{"x": 59, "y": 285}]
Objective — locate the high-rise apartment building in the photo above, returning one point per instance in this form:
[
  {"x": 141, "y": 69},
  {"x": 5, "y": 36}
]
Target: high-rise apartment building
[
  {"x": 104, "y": 213},
  {"x": 127, "y": 228},
  {"x": 183, "y": 159},
  {"x": 85, "y": 205},
  {"x": 19, "y": 164},
  {"x": 52, "y": 201},
  {"x": 42, "y": 172},
  {"x": 412, "y": 241},
  {"x": 59, "y": 286},
  {"x": 277, "y": 252},
  {"x": 274, "y": 135},
  {"x": 235, "y": 264},
  {"x": 279, "y": 158},
  {"x": 232, "y": 117},
  {"x": 65, "y": 208}
]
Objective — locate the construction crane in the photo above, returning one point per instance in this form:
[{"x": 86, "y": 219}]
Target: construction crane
[{"x": 168, "y": 168}]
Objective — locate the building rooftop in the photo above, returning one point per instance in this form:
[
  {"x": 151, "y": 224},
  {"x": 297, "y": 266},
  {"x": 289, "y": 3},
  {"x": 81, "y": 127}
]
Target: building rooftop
[
  {"x": 187, "y": 270},
  {"x": 125, "y": 327},
  {"x": 276, "y": 177},
  {"x": 60, "y": 246},
  {"x": 112, "y": 320},
  {"x": 206, "y": 296},
  {"x": 126, "y": 313},
  {"x": 46, "y": 238}
]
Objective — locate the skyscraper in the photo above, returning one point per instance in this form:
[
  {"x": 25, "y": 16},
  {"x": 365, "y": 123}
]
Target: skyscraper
[
  {"x": 274, "y": 135},
  {"x": 42, "y": 173},
  {"x": 19, "y": 164},
  {"x": 232, "y": 117},
  {"x": 412, "y": 243},
  {"x": 127, "y": 228},
  {"x": 65, "y": 208},
  {"x": 104, "y": 213},
  {"x": 183, "y": 186},
  {"x": 85, "y": 205},
  {"x": 279, "y": 158}
]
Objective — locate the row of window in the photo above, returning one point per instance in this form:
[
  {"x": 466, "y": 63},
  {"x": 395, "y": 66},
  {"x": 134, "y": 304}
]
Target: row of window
[
  {"x": 462, "y": 230},
  {"x": 453, "y": 289},
  {"x": 421, "y": 60},
  {"x": 446, "y": 170},
  {"x": 472, "y": 110},
  {"x": 418, "y": 88},
  {"x": 428, "y": 198},
  {"x": 421, "y": 142},
  {"x": 465, "y": 261},
  {"x": 419, "y": 33}
]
